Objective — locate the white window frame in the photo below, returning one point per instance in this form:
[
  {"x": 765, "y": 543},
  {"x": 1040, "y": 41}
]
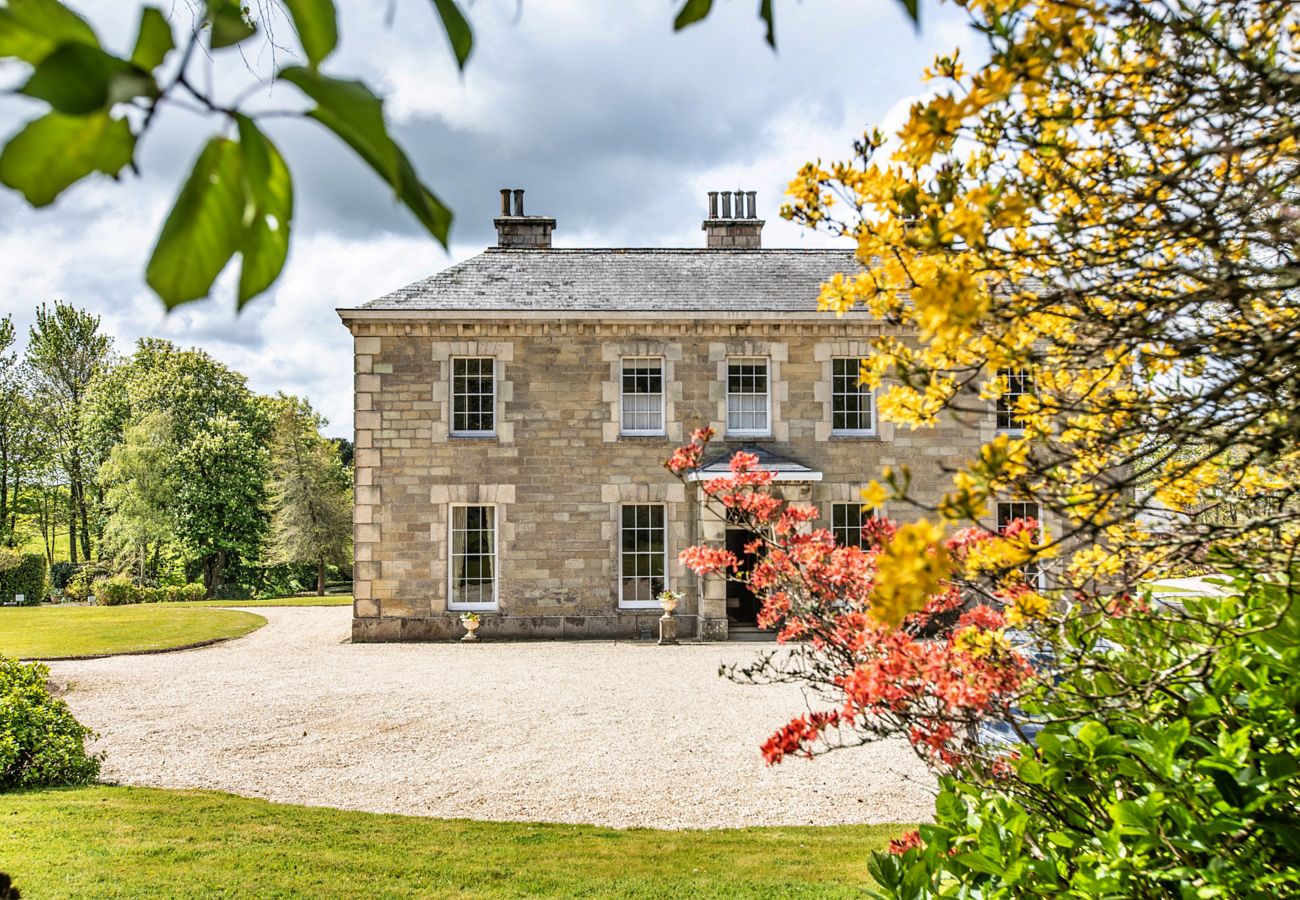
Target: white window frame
[
  {"x": 1039, "y": 577},
  {"x": 451, "y": 559},
  {"x": 1028, "y": 377},
  {"x": 652, "y": 603},
  {"x": 451, "y": 394},
  {"x": 662, "y": 430},
  {"x": 869, "y": 514},
  {"x": 748, "y": 432},
  {"x": 871, "y": 403}
]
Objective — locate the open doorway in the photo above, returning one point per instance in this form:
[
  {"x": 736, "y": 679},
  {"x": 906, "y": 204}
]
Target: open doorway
[{"x": 742, "y": 605}]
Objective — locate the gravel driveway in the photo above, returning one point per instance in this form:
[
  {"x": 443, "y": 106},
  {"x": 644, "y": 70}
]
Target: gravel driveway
[{"x": 621, "y": 734}]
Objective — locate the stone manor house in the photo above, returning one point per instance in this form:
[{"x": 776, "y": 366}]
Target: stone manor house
[{"x": 514, "y": 411}]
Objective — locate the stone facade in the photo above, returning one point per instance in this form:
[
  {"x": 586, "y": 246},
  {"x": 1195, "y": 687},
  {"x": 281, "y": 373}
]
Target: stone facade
[
  {"x": 547, "y": 479},
  {"x": 557, "y": 469}
]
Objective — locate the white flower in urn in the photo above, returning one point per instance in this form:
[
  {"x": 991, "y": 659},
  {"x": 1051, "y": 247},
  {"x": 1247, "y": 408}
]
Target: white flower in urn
[{"x": 669, "y": 600}]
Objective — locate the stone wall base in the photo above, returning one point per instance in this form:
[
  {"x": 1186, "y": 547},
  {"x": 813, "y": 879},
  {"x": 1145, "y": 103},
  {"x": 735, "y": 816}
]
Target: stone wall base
[{"x": 628, "y": 626}]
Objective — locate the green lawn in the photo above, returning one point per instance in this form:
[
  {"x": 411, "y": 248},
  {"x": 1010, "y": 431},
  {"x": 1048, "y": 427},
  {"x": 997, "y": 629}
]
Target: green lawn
[
  {"x": 141, "y": 842},
  {"x": 327, "y": 600},
  {"x": 49, "y": 632}
]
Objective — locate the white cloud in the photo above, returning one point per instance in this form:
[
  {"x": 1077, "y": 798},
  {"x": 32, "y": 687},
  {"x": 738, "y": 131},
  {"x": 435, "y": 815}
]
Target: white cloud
[{"x": 613, "y": 123}]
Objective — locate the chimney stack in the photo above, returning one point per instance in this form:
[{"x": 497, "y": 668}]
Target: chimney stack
[
  {"x": 516, "y": 231},
  {"x": 734, "y": 229}
]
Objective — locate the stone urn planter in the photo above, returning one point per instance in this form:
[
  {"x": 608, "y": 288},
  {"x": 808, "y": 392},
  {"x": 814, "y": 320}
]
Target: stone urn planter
[
  {"x": 667, "y": 624},
  {"x": 471, "y": 623}
]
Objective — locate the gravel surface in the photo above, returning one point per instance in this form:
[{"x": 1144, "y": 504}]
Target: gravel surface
[{"x": 621, "y": 734}]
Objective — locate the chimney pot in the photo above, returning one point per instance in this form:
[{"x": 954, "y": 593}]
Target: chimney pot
[
  {"x": 515, "y": 231},
  {"x": 741, "y": 231}
]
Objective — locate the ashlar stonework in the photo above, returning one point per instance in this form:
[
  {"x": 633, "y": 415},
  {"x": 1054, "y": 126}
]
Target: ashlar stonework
[{"x": 558, "y": 469}]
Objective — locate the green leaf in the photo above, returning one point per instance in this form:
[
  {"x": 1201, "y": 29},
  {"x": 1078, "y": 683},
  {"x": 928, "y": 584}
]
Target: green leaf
[
  {"x": 229, "y": 26},
  {"x": 317, "y": 26},
  {"x": 78, "y": 79},
  {"x": 203, "y": 230},
  {"x": 1030, "y": 771},
  {"x": 31, "y": 29},
  {"x": 153, "y": 41},
  {"x": 458, "y": 31},
  {"x": 979, "y": 863},
  {"x": 55, "y": 151},
  {"x": 268, "y": 211},
  {"x": 765, "y": 13},
  {"x": 913, "y": 9},
  {"x": 356, "y": 115},
  {"x": 691, "y": 12}
]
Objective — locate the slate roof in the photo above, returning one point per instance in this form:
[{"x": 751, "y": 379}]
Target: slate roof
[{"x": 632, "y": 280}]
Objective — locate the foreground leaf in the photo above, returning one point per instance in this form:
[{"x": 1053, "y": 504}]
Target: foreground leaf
[
  {"x": 691, "y": 12},
  {"x": 317, "y": 25},
  {"x": 153, "y": 41},
  {"x": 268, "y": 211},
  {"x": 351, "y": 111},
  {"x": 229, "y": 26},
  {"x": 55, "y": 151},
  {"x": 31, "y": 29},
  {"x": 78, "y": 79},
  {"x": 457, "y": 28},
  {"x": 202, "y": 232}
]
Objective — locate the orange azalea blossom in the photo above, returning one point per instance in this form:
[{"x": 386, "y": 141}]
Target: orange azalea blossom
[{"x": 932, "y": 679}]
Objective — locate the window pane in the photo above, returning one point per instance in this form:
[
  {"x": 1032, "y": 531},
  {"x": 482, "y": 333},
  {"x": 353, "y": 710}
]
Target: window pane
[
  {"x": 1019, "y": 383},
  {"x": 851, "y": 407},
  {"x": 642, "y": 394},
  {"x": 643, "y": 552},
  {"x": 847, "y": 520},
  {"x": 747, "y": 395},
  {"x": 1009, "y": 512},
  {"x": 473, "y": 555},
  {"x": 472, "y": 395}
]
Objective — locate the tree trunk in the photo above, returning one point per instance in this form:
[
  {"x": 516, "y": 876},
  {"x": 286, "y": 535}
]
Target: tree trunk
[
  {"x": 212, "y": 569},
  {"x": 72, "y": 529},
  {"x": 85, "y": 522},
  {"x": 320, "y": 577}
]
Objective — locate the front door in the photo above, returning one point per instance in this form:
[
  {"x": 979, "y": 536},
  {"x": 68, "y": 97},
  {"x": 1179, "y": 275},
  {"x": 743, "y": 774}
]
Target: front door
[{"x": 742, "y": 605}]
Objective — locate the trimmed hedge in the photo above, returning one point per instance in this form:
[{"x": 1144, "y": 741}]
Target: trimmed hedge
[
  {"x": 22, "y": 573},
  {"x": 120, "y": 590}
]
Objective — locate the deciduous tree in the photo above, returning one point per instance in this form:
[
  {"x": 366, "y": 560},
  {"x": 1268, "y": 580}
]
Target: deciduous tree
[
  {"x": 310, "y": 492},
  {"x": 65, "y": 351}
]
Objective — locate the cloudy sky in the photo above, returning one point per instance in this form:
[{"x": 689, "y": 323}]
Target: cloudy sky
[{"x": 613, "y": 124}]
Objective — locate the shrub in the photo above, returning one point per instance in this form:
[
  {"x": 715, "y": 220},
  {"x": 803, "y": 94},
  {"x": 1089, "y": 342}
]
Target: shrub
[
  {"x": 1194, "y": 792},
  {"x": 84, "y": 582},
  {"x": 187, "y": 593},
  {"x": 41, "y": 744},
  {"x": 61, "y": 571},
  {"x": 232, "y": 592},
  {"x": 77, "y": 587},
  {"x": 117, "y": 591},
  {"x": 22, "y": 573}
]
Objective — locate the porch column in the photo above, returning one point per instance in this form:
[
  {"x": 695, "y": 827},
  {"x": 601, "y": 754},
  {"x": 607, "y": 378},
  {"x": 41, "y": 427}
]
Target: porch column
[{"x": 712, "y": 590}]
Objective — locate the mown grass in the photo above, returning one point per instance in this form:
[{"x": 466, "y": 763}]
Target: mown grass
[
  {"x": 327, "y": 600},
  {"x": 142, "y": 842},
  {"x": 50, "y": 632}
]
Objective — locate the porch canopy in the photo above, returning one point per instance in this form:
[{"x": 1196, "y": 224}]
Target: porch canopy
[{"x": 786, "y": 469}]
